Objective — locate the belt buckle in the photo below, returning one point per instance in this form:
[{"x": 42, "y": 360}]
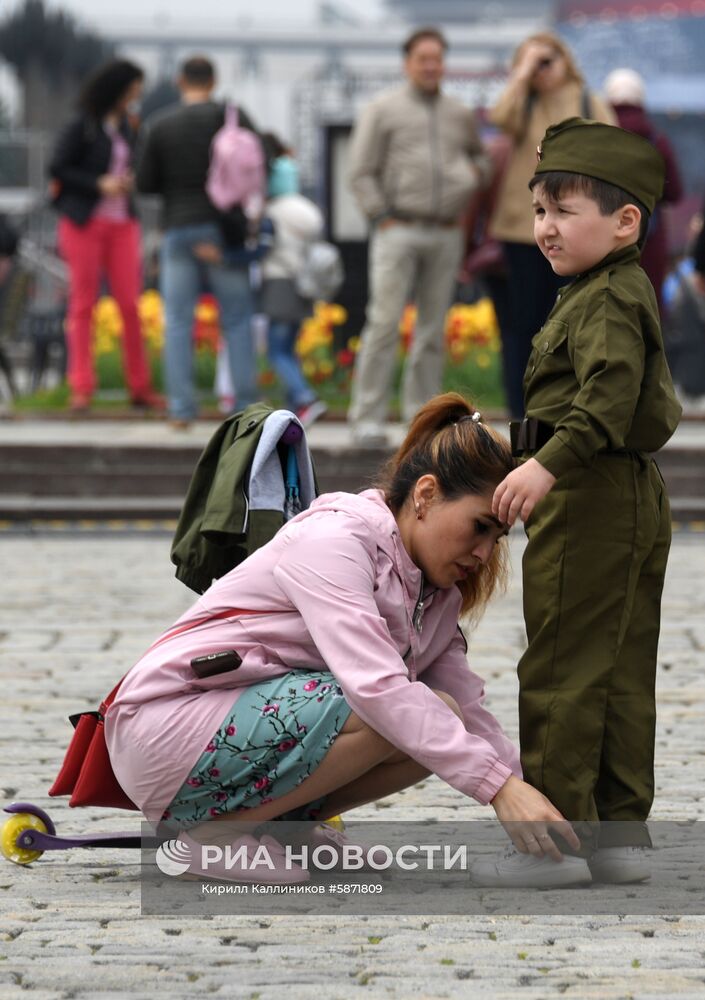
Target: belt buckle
[{"x": 532, "y": 434}]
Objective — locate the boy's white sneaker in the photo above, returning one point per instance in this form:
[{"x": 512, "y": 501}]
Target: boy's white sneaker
[
  {"x": 620, "y": 865},
  {"x": 514, "y": 870}
]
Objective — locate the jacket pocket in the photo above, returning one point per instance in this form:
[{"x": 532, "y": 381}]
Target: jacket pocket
[
  {"x": 550, "y": 337},
  {"x": 546, "y": 343}
]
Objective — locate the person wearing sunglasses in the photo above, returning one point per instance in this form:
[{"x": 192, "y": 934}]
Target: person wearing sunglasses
[{"x": 545, "y": 86}]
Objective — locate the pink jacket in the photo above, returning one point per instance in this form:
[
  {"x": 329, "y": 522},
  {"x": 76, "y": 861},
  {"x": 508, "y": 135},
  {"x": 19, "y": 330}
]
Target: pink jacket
[{"x": 340, "y": 592}]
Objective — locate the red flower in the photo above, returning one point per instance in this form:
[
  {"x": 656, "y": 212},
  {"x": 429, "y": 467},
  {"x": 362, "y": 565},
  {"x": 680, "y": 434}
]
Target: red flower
[{"x": 345, "y": 358}]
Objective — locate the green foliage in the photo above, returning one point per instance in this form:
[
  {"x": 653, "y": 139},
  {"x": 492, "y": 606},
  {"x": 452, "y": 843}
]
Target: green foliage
[{"x": 483, "y": 386}]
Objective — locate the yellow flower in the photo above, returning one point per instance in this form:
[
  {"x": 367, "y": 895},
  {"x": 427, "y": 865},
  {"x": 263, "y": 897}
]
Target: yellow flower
[{"x": 338, "y": 315}]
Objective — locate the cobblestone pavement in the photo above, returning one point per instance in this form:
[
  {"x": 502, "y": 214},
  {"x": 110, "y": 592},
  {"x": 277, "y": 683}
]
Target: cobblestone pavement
[{"x": 75, "y": 613}]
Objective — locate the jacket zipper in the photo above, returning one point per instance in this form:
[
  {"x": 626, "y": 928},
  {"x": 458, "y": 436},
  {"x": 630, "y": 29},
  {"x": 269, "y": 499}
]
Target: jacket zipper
[
  {"x": 435, "y": 175},
  {"x": 417, "y": 623},
  {"x": 417, "y": 617}
]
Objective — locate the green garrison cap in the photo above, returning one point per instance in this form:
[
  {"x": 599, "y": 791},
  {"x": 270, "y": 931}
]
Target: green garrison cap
[{"x": 608, "y": 153}]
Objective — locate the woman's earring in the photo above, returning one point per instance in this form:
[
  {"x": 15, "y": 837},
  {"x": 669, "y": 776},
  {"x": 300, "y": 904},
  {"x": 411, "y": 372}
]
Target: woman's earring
[{"x": 419, "y": 512}]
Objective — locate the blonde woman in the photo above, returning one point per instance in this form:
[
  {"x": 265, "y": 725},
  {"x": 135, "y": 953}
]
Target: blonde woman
[{"x": 544, "y": 87}]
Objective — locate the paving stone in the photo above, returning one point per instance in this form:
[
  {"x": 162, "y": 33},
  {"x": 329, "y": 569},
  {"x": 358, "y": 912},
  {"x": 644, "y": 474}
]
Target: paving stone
[{"x": 76, "y": 612}]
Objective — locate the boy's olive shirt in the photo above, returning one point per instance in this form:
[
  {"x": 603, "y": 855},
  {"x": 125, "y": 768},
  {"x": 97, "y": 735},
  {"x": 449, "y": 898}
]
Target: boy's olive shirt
[{"x": 597, "y": 372}]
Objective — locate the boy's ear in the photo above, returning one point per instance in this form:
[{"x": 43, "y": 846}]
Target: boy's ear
[{"x": 628, "y": 221}]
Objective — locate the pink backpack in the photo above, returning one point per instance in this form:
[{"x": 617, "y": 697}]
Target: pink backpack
[{"x": 236, "y": 175}]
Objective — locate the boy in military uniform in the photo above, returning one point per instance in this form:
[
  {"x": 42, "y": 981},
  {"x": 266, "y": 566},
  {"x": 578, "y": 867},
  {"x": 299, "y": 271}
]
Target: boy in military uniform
[{"x": 599, "y": 401}]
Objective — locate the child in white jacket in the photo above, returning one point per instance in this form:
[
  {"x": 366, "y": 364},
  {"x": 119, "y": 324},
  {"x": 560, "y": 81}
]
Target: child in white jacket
[{"x": 297, "y": 223}]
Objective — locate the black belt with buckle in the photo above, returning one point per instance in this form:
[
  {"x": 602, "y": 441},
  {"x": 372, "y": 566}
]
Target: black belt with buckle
[{"x": 529, "y": 434}]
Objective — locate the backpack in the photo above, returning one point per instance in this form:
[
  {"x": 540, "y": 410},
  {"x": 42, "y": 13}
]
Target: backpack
[
  {"x": 236, "y": 174},
  {"x": 232, "y": 508},
  {"x": 322, "y": 273}
]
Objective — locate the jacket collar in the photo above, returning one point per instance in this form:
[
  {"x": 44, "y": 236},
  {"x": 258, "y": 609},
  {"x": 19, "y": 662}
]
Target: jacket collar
[
  {"x": 421, "y": 95},
  {"x": 624, "y": 255}
]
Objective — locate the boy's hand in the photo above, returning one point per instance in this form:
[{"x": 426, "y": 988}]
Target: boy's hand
[{"x": 518, "y": 494}]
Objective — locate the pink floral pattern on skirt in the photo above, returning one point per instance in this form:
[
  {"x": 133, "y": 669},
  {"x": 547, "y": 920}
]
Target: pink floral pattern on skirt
[{"x": 274, "y": 737}]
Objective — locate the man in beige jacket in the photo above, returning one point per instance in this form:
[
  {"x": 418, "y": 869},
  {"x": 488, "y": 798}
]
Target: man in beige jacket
[{"x": 415, "y": 160}]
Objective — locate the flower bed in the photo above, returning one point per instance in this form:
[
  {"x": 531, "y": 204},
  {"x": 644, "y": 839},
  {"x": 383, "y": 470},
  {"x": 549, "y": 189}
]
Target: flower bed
[{"x": 471, "y": 336}]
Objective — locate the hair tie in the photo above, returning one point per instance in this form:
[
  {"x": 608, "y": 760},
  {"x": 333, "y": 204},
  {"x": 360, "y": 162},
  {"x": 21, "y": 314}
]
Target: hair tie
[{"x": 475, "y": 418}]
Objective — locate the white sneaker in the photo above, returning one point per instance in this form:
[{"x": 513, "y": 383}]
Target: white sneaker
[
  {"x": 367, "y": 434},
  {"x": 514, "y": 870},
  {"x": 620, "y": 865}
]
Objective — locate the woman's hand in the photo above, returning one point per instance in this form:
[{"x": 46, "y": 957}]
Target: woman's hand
[
  {"x": 530, "y": 59},
  {"x": 209, "y": 253},
  {"x": 111, "y": 184},
  {"x": 527, "y": 815}
]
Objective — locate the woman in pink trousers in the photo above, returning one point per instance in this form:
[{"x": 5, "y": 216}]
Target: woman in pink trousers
[{"x": 98, "y": 233}]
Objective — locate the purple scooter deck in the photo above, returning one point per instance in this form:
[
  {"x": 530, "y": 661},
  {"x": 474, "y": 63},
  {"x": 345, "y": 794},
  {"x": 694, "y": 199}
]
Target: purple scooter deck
[{"x": 36, "y": 840}]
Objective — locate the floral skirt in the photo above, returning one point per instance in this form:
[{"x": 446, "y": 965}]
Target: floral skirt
[{"x": 274, "y": 737}]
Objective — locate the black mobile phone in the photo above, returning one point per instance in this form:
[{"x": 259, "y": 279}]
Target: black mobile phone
[{"x": 216, "y": 663}]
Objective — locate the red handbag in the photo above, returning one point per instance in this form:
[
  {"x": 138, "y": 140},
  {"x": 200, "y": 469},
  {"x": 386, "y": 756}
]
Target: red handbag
[{"x": 87, "y": 773}]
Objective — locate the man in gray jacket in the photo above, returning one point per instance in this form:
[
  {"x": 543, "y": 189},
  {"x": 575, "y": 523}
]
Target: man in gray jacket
[{"x": 415, "y": 160}]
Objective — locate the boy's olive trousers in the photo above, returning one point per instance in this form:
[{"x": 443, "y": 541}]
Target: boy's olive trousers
[{"x": 593, "y": 574}]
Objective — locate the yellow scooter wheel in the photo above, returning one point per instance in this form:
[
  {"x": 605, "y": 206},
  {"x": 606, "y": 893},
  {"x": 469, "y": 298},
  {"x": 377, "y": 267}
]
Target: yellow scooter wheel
[
  {"x": 10, "y": 832},
  {"x": 336, "y": 822}
]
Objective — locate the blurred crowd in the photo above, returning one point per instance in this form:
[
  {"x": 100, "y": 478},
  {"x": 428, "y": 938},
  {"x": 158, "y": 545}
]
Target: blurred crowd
[{"x": 444, "y": 191}]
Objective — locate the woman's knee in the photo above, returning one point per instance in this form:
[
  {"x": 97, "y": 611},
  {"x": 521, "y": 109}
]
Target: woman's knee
[
  {"x": 450, "y": 702},
  {"x": 354, "y": 724}
]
